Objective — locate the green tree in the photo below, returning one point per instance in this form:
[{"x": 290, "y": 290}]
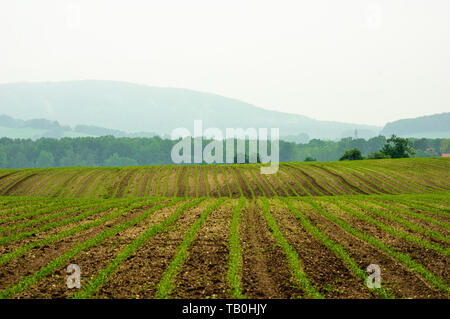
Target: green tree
[
  {"x": 21, "y": 161},
  {"x": 377, "y": 155},
  {"x": 397, "y": 147},
  {"x": 351, "y": 155},
  {"x": 116, "y": 160},
  {"x": 310, "y": 159},
  {"x": 445, "y": 145},
  {"x": 3, "y": 159},
  {"x": 45, "y": 159}
]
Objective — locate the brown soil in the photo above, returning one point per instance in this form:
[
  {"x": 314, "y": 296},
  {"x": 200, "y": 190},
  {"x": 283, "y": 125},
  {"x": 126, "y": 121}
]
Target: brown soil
[
  {"x": 96, "y": 258},
  {"x": 201, "y": 181},
  {"x": 182, "y": 182},
  {"x": 312, "y": 180},
  {"x": 140, "y": 274},
  {"x": 430, "y": 259},
  {"x": 124, "y": 183},
  {"x": 86, "y": 183},
  {"x": 152, "y": 184},
  {"x": 37, "y": 179},
  {"x": 326, "y": 271},
  {"x": 265, "y": 273},
  {"x": 67, "y": 182},
  {"x": 416, "y": 221},
  {"x": 394, "y": 275},
  {"x": 328, "y": 180},
  {"x": 252, "y": 181},
  {"x": 89, "y": 191},
  {"x": 33, "y": 260},
  {"x": 204, "y": 273},
  {"x": 242, "y": 183},
  {"x": 232, "y": 182},
  {"x": 212, "y": 182},
  {"x": 191, "y": 181},
  {"x": 222, "y": 182},
  {"x": 262, "y": 182},
  {"x": 286, "y": 182},
  {"x": 294, "y": 181},
  {"x": 16, "y": 185},
  {"x": 144, "y": 181},
  {"x": 72, "y": 187},
  {"x": 11, "y": 179},
  {"x": 171, "y": 181},
  {"x": 369, "y": 183},
  {"x": 342, "y": 180}
]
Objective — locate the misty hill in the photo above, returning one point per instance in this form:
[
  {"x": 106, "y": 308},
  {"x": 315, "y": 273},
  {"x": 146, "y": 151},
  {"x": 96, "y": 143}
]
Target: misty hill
[
  {"x": 132, "y": 108},
  {"x": 37, "y": 128},
  {"x": 431, "y": 126}
]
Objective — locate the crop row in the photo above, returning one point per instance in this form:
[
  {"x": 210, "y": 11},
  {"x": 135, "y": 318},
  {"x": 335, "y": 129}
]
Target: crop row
[
  {"x": 348, "y": 232},
  {"x": 401, "y": 176}
]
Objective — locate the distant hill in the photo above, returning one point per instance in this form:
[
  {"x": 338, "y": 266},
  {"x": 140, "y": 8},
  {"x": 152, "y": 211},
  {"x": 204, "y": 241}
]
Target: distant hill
[
  {"x": 138, "y": 108},
  {"x": 432, "y": 126},
  {"x": 37, "y": 128}
]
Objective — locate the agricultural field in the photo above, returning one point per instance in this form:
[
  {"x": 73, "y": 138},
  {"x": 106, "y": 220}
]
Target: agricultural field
[
  {"x": 226, "y": 231},
  {"x": 418, "y": 175}
]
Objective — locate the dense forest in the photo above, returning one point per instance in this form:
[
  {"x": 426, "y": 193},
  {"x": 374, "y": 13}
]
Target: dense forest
[{"x": 111, "y": 151}]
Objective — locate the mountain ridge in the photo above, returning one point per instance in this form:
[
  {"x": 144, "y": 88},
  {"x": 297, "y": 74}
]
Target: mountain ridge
[{"x": 154, "y": 109}]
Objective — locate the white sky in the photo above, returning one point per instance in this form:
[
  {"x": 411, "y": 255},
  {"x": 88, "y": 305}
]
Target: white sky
[{"x": 348, "y": 60}]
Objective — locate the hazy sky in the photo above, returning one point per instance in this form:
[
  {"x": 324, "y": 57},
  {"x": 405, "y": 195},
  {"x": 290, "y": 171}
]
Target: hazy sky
[{"x": 354, "y": 61}]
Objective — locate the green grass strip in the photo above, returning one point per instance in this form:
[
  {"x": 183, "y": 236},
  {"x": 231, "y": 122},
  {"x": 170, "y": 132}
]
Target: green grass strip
[
  {"x": 93, "y": 285},
  {"x": 337, "y": 249},
  {"x": 165, "y": 286},
  {"x": 292, "y": 257},
  {"x": 235, "y": 263},
  {"x": 401, "y": 257},
  {"x": 60, "y": 261}
]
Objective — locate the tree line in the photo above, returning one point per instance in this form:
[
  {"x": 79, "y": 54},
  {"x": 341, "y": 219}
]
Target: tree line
[{"x": 112, "y": 151}]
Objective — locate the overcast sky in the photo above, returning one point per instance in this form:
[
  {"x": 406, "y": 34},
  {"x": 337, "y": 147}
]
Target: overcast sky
[{"x": 350, "y": 60}]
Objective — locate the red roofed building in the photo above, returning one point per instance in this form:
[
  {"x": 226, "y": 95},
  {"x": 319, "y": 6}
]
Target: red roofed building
[{"x": 445, "y": 154}]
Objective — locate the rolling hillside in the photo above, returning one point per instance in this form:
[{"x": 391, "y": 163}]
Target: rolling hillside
[
  {"x": 293, "y": 179},
  {"x": 101, "y": 103},
  {"x": 225, "y": 231}
]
